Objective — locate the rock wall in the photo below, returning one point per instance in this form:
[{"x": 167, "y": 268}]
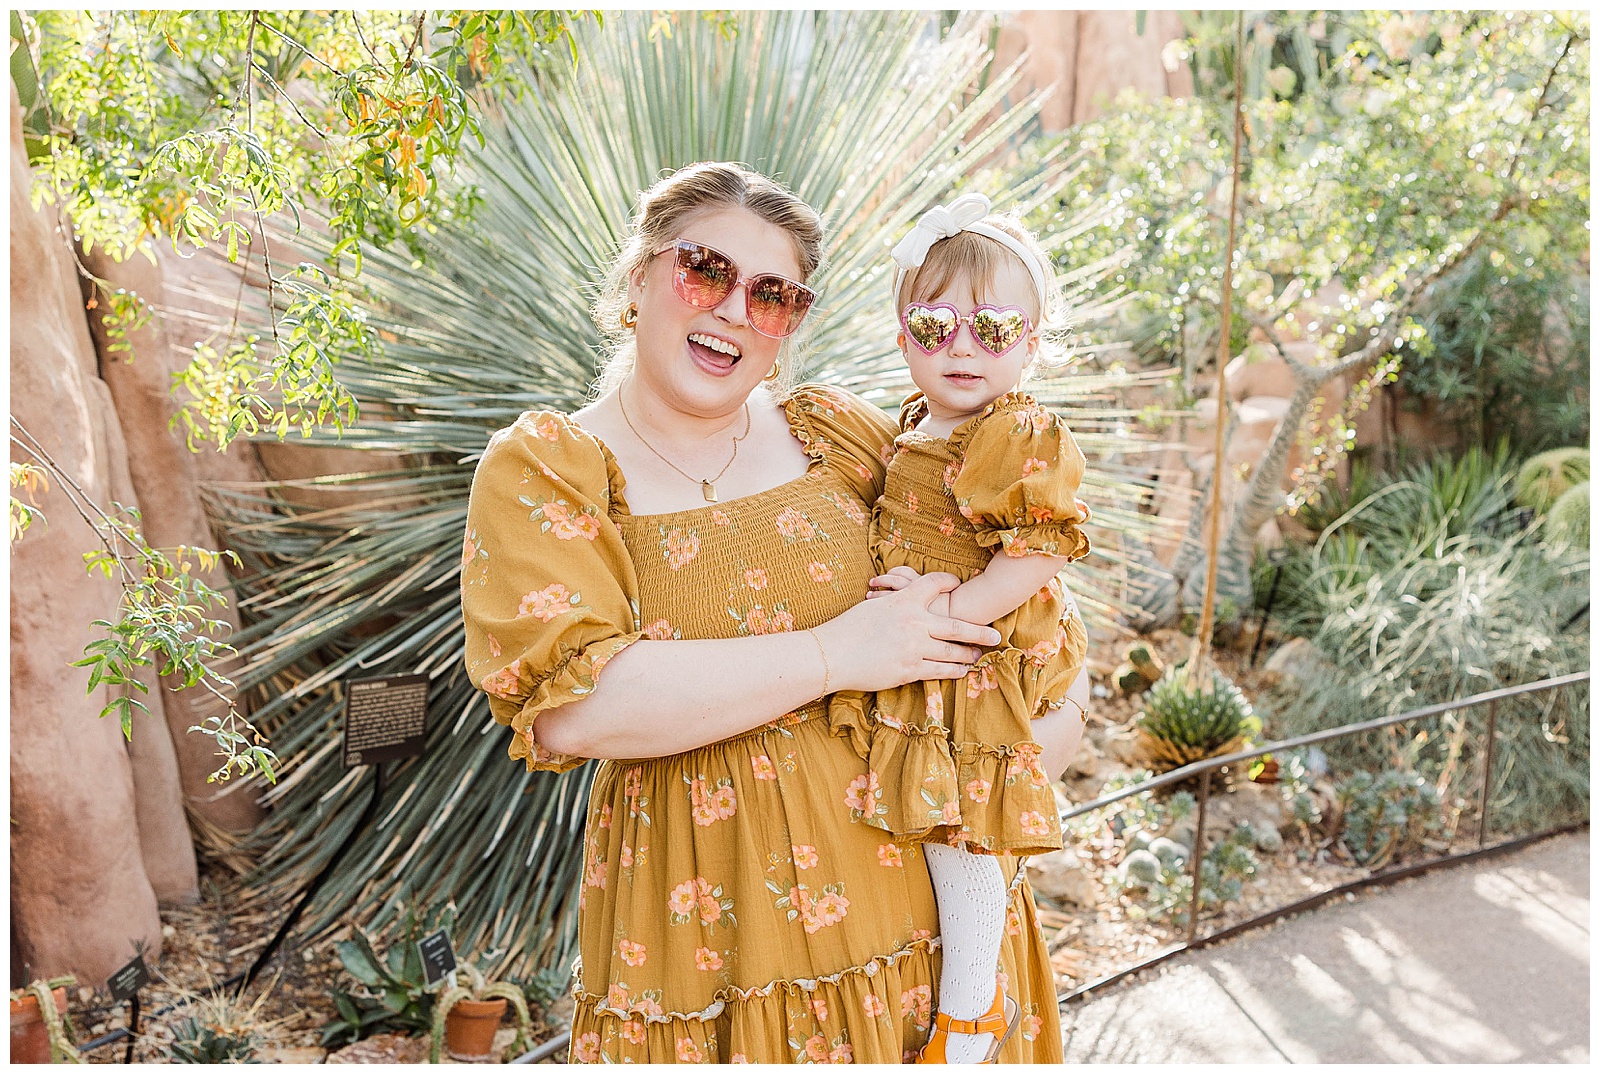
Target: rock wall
[
  {"x": 81, "y": 895},
  {"x": 1089, "y": 57},
  {"x": 165, "y": 477}
]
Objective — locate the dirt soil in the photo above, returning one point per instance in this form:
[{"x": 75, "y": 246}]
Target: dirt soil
[{"x": 209, "y": 942}]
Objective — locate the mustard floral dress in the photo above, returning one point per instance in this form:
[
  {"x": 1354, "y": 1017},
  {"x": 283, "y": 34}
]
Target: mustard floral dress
[
  {"x": 735, "y": 905},
  {"x": 955, "y": 759}
]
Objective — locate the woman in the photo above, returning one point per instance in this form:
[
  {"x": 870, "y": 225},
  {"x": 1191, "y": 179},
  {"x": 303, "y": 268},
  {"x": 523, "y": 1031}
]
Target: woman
[{"x": 700, "y": 535}]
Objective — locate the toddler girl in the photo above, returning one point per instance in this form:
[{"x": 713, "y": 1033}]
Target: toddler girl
[{"x": 981, "y": 485}]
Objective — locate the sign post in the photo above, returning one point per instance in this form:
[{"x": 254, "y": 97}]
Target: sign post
[
  {"x": 125, "y": 985},
  {"x": 385, "y": 719}
]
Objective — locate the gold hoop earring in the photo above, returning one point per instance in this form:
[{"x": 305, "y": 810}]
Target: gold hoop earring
[
  {"x": 630, "y": 316},
  {"x": 777, "y": 371}
]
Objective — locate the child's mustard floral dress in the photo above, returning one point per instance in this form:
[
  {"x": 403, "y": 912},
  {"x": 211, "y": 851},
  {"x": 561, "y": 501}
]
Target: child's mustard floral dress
[
  {"x": 734, "y": 907},
  {"x": 956, "y": 760}
]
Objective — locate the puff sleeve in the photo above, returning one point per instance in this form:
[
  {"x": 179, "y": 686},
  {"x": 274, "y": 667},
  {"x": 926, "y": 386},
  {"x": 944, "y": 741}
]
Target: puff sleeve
[
  {"x": 548, "y": 590},
  {"x": 1020, "y": 471},
  {"x": 848, "y": 433}
]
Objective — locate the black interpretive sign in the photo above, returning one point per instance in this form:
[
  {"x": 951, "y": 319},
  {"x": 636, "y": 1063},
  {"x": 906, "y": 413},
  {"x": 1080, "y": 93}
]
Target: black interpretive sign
[
  {"x": 385, "y": 719},
  {"x": 129, "y": 979},
  {"x": 438, "y": 957}
]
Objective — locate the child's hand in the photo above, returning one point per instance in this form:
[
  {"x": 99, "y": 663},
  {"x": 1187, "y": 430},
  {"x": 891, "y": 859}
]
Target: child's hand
[
  {"x": 898, "y": 578},
  {"x": 895, "y": 579}
]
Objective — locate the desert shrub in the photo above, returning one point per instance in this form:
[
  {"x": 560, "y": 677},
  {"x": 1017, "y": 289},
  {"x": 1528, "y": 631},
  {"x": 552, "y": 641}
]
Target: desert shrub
[{"x": 1423, "y": 593}]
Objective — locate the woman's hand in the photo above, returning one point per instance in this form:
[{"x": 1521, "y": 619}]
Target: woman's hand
[{"x": 898, "y": 637}]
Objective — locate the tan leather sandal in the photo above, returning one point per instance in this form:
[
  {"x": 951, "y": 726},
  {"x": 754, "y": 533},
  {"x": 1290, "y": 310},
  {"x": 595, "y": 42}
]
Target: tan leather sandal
[{"x": 1000, "y": 1019}]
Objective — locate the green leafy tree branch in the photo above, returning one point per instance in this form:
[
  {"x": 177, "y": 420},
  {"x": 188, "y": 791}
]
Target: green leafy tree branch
[{"x": 211, "y": 129}]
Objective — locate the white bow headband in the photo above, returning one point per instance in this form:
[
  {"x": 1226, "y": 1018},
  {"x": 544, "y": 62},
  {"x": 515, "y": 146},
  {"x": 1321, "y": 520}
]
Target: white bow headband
[{"x": 966, "y": 213}]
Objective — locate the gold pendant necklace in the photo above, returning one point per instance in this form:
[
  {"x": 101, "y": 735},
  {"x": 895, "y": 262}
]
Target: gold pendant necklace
[{"x": 708, "y": 487}]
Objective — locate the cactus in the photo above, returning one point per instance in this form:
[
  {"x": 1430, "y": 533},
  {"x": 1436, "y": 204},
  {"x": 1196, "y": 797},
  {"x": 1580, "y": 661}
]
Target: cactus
[
  {"x": 196, "y": 1041},
  {"x": 1144, "y": 660},
  {"x": 1141, "y": 868},
  {"x": 57, "y": 1028},
  {"x": 1179, "y": 727},
  {"x": 1546, "y": 476},
  {"x": 1568, "y": 521},
  {"x": 1129, "y": 680},
  {"x": 479, "y": 990}
]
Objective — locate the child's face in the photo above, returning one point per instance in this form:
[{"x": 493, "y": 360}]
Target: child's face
[{"x": 961, "y": 378}]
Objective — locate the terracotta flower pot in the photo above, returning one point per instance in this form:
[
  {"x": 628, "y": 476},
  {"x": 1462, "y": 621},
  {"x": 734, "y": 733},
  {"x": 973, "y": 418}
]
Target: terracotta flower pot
[
  {"x": 30, "y": 1040},
  {"x": 470, "y": 1026}
]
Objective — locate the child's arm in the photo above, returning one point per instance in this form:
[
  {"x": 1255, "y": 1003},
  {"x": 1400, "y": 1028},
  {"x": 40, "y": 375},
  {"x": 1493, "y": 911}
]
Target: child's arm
[{"x": 1004, "y": 586}]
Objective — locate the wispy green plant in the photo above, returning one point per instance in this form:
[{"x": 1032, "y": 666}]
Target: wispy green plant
[
  {"x": 871, "y": 117},
  {"x": 1423, "y": 593}
]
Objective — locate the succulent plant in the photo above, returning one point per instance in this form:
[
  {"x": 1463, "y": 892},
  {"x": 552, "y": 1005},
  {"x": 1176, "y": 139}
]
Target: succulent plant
[
  {"x": 1545, "y": 477},
  {"x": 1169, "y": 851},
  {"x": 196, "y": 1040},
  {"x": 1140, "y": 869},
  {"x": 1387, "y": 815},
  {"x": 1180, "y": 726}
]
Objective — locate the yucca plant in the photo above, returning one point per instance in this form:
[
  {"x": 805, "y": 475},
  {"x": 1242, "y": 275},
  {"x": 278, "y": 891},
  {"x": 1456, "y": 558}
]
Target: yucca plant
[
  {"x": 870, "y": 116},
  {"x": 1181, "y": 724}
]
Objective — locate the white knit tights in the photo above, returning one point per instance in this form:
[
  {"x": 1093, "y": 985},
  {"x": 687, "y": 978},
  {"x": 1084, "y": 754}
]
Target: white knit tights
[{"x": 972, "y": 918}]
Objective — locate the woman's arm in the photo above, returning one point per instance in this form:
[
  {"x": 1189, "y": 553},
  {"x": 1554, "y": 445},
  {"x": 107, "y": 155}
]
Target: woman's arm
[
  {"x": 1060, "y": 731},
  {"x": 658, "y": 698}
]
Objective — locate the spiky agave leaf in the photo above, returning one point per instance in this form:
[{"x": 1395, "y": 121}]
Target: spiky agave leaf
[{"x": 871, "y": 116}]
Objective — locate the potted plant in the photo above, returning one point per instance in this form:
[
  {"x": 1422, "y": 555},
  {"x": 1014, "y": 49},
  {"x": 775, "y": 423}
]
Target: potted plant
[
  {"x": 465, "y": 1018},
  {"x": 41, "y": 1032}
]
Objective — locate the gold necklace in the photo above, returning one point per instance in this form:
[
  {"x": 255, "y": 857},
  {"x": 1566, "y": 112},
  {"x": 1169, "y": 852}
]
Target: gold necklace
[{"x": 708, "y": 487}]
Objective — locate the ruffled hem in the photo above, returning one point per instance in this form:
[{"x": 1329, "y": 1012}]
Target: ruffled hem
[
  {"x": 848, "y": 719},
  {"x": 917, "y": 774},
  {"x": 870, "y": 968},
  {"x": 876, "y": 1012},
  {"x": 1007, "y": 803},
  {"x": 571, "y": 680},
  {"x": 1063, "y": 539}
]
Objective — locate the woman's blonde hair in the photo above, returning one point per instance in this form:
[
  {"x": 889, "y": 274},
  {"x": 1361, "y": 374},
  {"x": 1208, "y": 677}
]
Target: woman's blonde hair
[
  {"x": 663, "y": 211},
  {"x": 979, "y": 258}
]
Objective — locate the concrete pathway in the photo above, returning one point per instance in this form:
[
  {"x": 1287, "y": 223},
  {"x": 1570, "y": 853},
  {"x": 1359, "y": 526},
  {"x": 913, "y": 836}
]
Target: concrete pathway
[{"x": 1476, "y": 963}]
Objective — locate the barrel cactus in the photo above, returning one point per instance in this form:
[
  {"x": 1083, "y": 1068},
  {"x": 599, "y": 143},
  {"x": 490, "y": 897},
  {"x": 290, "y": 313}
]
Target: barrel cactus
[
  {"x": 1568, "y": 520},
  {"x": 1180, "y": 726},
  {"x": 1140, "y": 869},
  {"x": 1546, "y": 476}
]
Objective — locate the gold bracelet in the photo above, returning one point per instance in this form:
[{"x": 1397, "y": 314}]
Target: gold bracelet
[
  {"x": 827, "y": 672},
  {"x": 1083, "y": 713}
]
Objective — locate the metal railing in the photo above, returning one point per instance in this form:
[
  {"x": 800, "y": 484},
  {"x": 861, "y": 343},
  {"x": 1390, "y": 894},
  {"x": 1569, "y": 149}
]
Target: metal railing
[{"x": 1203, "y": 770}]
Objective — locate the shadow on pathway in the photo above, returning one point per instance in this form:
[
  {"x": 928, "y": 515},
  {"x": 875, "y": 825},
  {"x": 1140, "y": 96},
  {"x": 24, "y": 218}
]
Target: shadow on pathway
[{"x": 1478, "y": 963}]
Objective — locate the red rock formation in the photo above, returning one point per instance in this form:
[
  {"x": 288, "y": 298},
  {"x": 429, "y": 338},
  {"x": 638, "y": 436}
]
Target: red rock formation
[
  {"x": 164, "y": 477},
  {"x": 80, "y": 896},
  {"x": 1089, "y": 57}
]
